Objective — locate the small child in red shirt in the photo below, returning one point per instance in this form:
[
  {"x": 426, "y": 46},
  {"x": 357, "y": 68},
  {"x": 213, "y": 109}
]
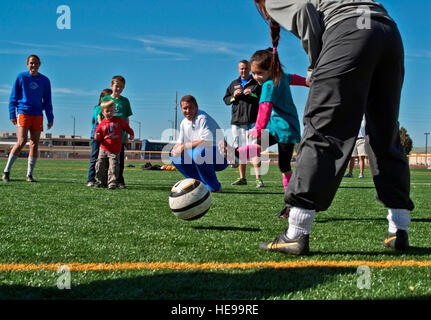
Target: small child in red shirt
[{"x": 108, "y": 133}]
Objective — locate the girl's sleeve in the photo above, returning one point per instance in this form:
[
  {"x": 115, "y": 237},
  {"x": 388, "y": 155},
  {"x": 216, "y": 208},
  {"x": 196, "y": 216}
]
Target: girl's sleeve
[
  {"x": 47, "y": 102},
  {"x": 263, "y": 116},
  {"x": 265, "y": 109},
  {"x": 15, "y": 95},
  {"x": 298, "y": 81}
]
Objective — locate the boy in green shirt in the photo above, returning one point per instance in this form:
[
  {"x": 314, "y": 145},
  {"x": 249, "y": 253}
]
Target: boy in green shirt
[{"x": 123, "y": 111}]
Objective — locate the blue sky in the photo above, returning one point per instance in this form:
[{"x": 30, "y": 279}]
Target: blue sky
[{"x": 164, "y": 47}]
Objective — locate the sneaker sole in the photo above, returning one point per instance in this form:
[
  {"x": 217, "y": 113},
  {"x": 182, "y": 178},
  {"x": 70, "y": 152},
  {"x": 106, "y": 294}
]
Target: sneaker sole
[{"x": 287, "y": 248}]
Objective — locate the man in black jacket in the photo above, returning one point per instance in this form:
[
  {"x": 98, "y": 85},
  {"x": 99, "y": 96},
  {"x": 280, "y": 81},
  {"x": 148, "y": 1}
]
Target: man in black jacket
[{"x": 243, "y": 94}]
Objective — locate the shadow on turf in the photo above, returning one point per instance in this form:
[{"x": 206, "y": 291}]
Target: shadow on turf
[
  {"x": 356, "y": 187},
  {"x": 195, "y": 285},
  {"x": 325, "y": 220},
  {"x": 413, "y": 251},
  {"x": 227, "y": 228},
  {"x": 257, "y": 192}
]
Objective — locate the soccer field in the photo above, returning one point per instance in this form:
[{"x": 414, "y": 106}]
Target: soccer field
[{"x": 127, "y": 244}]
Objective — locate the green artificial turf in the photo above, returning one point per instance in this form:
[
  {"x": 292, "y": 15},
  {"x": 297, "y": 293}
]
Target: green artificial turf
[{"x": 60, "y": 220}]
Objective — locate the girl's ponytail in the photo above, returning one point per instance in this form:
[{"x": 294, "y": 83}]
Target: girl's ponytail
[{"x": 276, "y": 67}]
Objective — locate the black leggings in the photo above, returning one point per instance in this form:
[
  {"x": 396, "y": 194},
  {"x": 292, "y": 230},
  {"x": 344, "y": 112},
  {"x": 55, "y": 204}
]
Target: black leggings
[{"x": 285, "y": 152}]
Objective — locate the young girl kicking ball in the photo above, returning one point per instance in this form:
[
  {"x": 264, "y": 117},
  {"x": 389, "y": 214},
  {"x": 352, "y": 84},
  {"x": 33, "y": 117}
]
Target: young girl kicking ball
[{"x": 277, "y": 113}]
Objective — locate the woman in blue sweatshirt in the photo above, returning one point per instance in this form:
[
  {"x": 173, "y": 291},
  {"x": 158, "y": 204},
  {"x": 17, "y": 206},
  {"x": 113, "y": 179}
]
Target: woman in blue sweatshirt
[{"x": 30, "y": 96}]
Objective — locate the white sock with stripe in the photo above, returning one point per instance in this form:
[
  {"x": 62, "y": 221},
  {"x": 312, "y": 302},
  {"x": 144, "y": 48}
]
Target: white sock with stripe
[
  {"x": 31, "y": 165},
  {"x": 399, "y": 219},
  {"x": 10, "y": 162},
  {"x": 300, "y": 222}
]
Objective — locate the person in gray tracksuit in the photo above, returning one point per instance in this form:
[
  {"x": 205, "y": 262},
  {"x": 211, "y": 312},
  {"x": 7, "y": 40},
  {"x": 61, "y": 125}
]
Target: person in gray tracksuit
[{"x": 356, "y": 67}]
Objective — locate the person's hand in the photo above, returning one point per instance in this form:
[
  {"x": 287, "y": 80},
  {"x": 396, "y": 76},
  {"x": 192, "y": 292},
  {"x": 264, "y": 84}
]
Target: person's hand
[
  {"x": 177, "y": 150},
  {"x": 237, "y": 92},
  {"x": 308, "y": 83},
  {"x": 131, "y": 137},
  {"x": 97, "y": 137},
  {"x": 50, "y": 125},
  {"x": 254, "y": 133},
  {"x": 247, "y": 91},
  {"x": 13, "y": 121}
]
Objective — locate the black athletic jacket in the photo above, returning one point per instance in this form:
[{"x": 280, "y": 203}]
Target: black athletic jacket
[{"x": 244, "y": 107}]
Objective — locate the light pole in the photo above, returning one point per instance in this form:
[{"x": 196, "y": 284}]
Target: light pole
[
  {"x": 73, "y": 136},
  {"x": 172, "y": 130},
  {"x": 139, "y": 126},
  {"x": 426, "y": 147}
]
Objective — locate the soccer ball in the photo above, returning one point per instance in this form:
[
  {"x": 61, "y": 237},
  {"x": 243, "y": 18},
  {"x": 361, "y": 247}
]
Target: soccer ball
[{"x": 189, "y": 199}]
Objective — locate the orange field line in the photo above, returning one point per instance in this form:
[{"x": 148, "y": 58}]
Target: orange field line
[{"x": 212, "y": 265}]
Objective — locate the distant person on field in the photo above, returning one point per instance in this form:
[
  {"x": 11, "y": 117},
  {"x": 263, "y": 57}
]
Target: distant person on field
[
  {"x": 124, "y": 111},
  {"x": 358, "y": 152},
  {"x": 195, "y": 154},
  {"x": 95, "y": 120},
  {"x": 30, "y": 96},
  {"x": 109, "y": 134},
  {"x": 243, "y": 94}
]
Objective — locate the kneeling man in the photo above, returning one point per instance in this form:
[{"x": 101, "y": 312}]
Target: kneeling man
[{"x": 196, "y": 154}]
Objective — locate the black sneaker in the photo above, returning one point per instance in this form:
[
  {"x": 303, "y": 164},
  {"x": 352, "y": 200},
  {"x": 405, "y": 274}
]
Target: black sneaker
[
  {"x": 101, "y": 185},
  {"x": 29, "y": 178},
  {"x": 5, "y": 177},
  {"x": 284, "y": 213},
  {"x": 282, "y": 243},
  {"x": 397, "y": 241},
  {"x": 240, "y": 182}
]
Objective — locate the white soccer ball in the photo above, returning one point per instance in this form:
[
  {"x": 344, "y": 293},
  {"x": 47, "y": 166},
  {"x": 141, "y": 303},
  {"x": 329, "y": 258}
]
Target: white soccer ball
[{"x": 189, "y": 199}]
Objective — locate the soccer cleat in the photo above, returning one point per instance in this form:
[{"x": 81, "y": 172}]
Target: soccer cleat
[
  {"x": 361, "y": 176},
  {"x": 397, "y": 241},
  {"x": 113, "y": 187},
  {"x": 90, "y": 184},
  {"x": 5, "y": 177},
  {"x": 283, "y": 244},
  {"x": 259, "y": 183},
  {"x": 349, "y": 175},
  {"x": 284, "y": 213},
  {"x": 30, "y": 178},
  {"x": 240, "y": 182}
]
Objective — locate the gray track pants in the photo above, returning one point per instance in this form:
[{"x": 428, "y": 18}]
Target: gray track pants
[{"x": 358, "y": 71}]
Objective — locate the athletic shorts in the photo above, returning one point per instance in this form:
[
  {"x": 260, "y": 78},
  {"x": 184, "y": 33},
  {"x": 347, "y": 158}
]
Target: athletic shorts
[
  {"x": 359, "y": 149},
  {"x": 239, "y": 134},
  {"x": 34, "y": 123}
]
